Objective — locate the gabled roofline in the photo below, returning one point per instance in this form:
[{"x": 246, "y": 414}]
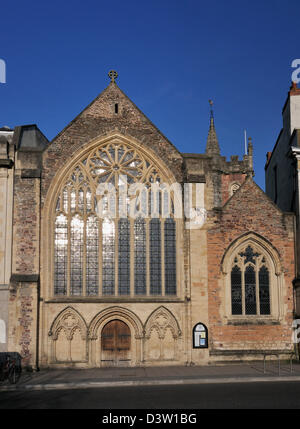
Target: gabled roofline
[
  {"x": 248, "y": 179},
  {"x": 126, "y": 96}
]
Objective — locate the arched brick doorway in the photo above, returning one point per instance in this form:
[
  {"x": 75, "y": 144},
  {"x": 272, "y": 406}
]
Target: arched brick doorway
[{"x": 115, "y": 344}]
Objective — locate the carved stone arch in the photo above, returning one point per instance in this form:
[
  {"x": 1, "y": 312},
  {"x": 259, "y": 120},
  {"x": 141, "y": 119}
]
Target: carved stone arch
[
  {"x": 61, "y": 323},
  {"x": 111, "y": 138},
  {"x": 258, "y": 242},
  {"x": 112, "y": 313},
  {"x": 55, "y": 186},
  {"x": 161, "y": 319}
]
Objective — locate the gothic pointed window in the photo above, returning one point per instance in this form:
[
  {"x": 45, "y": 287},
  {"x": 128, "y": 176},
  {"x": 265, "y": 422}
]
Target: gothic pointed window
[
  {"x": 76, "y": 255},
  {"x": 250, "y": 283},
  {"x": 108, "y": 257},
  {"x": 100, "y": 251},
  {"x": 92, "y": 255}
]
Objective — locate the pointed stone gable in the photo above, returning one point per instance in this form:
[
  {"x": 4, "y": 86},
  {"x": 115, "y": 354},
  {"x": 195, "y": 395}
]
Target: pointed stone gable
[
  {"x": 212, "y": 145},
  {"x": 250, "y": 209},
  {"x": 112, "y": 111},
  {"x": 251, "y": 195}
]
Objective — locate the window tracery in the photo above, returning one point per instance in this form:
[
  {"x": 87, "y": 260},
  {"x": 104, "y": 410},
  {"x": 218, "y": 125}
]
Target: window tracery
[
  {"x": 109, "y": 255},
  {"x": 250, "y": 283}
]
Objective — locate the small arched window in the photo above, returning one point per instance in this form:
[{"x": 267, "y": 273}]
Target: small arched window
[
  {"x": 233, "y": 188},
  {"x": 200, "y": 336}
]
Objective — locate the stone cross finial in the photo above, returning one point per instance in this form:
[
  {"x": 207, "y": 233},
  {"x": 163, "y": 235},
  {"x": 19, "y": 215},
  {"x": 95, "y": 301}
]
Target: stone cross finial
[
  {"x": 113, "y": 75},
  {"x": 211, "y": 108}
]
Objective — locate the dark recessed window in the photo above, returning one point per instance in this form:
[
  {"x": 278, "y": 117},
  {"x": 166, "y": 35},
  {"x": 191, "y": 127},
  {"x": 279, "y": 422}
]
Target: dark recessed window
[
  {"x": 116, "y": 108},
  {"x": 250, "y": 284},
  {"x": 200, "y": 336}
]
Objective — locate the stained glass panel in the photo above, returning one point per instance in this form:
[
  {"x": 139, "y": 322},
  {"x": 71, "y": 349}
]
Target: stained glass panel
[
  {"x": 124, "y": 257},
  {"x": 61, "y": 255},
  {"x": 140, "y": 256},
  {"x": 170, "y": 256},
  {"x": 73, "y": 200},
  {"x": 65, "y": 200},
  {"x": 80, "y": 201},
  {"x": 76, "y": 255},
  {"x": 250, "y": 290},
  {"x": 108, "y": 257},
  {"x": 236, "y": 290},
  {"x": 264, "y": 292},
  {"x": 92, "y": 249},
  {"x": 155, "y": 257}
]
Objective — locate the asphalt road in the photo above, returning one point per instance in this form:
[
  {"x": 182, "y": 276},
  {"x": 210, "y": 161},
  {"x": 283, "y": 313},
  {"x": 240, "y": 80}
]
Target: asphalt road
[{"x": 274, "y": 395}]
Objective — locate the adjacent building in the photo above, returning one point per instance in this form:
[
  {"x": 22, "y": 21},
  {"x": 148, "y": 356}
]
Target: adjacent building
[{"x": 283, "y": 173}]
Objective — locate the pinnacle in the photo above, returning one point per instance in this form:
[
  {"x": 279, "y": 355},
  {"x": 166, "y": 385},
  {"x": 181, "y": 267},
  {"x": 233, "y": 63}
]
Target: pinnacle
[{"x": 212, "y": 145}]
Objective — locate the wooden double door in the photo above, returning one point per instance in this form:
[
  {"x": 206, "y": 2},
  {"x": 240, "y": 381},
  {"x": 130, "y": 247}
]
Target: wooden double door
[{"x": 115, "y": 344}]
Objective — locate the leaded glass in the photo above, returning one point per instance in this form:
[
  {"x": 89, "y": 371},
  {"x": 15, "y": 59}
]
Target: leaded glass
[
  {"x": 250, "y": 290},
  {"x": 170, "y": 256},
  {"x": 80, "y": 200},
  {"x": 121, "y": 152},
  {"x": 251, "y": 296},
  {"x": 155, "y": 257},
  {"x": 108, "y": 257},
  {"x": 140, "y": 256},
  {"x": 236, "y": 290},
  {"x": 73, "y": 200},
  {"x": 264, "y": 293},
  {"x": 124, "y": 257},
  {"x": 65, "y": 200},
  {"x": 76, "y": 255},
  {"x": 92, "y": 249},
  {"x": 61, "y": 255},
  {"x": 88, "y": 197},
  {"x": 77, "y": 248}
]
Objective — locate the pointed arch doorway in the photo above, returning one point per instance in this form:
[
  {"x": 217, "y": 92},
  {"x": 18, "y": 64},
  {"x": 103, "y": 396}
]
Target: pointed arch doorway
[{"x": 115, "y": 344}]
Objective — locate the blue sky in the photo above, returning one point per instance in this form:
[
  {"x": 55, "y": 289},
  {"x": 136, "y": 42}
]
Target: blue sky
[{"x": 172, "y": 56}]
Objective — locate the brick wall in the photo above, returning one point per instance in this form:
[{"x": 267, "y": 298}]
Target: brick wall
[
  {"x": 249, "y": 210},
  {"x": 227, "y": 180}
]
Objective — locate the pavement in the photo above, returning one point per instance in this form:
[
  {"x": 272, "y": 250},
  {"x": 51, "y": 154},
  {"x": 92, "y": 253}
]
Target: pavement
[{"x": 55, "y": 379}]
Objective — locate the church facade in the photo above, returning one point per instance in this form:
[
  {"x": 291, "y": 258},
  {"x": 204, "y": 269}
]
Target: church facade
[{"x": 83, "y": 284}]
